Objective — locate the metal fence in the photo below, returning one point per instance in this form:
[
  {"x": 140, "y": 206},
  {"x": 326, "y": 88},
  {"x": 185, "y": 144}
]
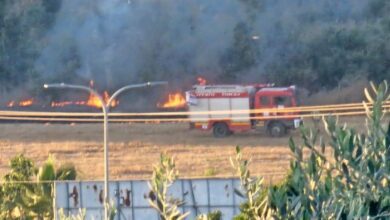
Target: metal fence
[{"x": 130, "y": 198}]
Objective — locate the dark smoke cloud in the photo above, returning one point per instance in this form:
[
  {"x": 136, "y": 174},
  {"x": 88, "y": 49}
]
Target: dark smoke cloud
[
  {"x": 124, "y": 41},
  {"x": 120, "y": 41}
]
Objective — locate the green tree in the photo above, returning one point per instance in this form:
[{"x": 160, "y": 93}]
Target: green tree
[
  {"x": 242, "y": 55},
  {"x": 22, "y": 197},
  {"x": 13, "y": 194},
  {"x": 22, "y": 29}
]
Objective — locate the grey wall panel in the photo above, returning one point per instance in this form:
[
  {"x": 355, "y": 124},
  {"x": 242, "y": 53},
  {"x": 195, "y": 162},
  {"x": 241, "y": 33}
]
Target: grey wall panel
[
  {"x": 195, "y": 192},
  {"x": 221, "y": 193},
  {"x": 92, "y": 195},
  {"x": 130, "y": 198},
  {"x": 141, "y": 191},
  {"x": 61, "y": 198}
]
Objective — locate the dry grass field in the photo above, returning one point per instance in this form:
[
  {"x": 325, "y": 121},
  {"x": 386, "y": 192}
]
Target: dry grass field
[{"x": 134, "y": 148}]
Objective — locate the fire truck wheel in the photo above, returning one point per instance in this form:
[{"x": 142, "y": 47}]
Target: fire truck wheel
[
  {"x": 221, "y": 130},
  {"x": 277, "y": 129}
]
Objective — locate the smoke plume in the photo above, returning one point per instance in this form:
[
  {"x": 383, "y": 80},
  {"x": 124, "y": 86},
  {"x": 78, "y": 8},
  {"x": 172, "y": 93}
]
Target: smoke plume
[{"x": 116, "y": 42}]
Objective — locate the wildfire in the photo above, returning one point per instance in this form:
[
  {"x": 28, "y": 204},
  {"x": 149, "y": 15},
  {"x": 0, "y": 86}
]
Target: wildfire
[
  {"x": 92, "y": 101},
  {"x": 23, "y": 103},
  {"x": 107, "y": 97},
  {"x": 61, "y": 104},
  {"x": 175, "y": 100},
  {"x": 27, "y": 102}
]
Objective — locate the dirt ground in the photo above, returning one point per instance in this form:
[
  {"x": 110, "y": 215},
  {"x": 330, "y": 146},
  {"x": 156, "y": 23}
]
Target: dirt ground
[{"x": 134, "y": 148}]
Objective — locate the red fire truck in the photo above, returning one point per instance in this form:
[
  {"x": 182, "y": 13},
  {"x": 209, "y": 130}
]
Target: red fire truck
[{"x": 234, "y": 108}]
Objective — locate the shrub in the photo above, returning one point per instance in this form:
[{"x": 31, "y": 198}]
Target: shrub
[
  {"x": 79, "y": 216},
  {"x": 164, "y": 175},
  {"x": 253, "y": 191},
  {"x": 23, "y": 198},
  {"x": 352, "y": 184},
  {"x": 66, "y": 171},
  {"x": 215, "y": 215}
]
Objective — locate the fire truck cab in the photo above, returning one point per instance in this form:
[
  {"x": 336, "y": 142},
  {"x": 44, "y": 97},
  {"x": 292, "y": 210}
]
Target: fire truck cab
[{"x": 226, "y": 109}]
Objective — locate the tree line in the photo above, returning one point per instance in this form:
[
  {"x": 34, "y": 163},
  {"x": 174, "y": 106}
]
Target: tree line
[{"x": 312, "y": 48}]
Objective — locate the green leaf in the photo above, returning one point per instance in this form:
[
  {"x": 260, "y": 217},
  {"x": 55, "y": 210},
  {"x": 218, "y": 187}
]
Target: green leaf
[
  {"x": 358, "y": 153},
  {"x": 373, "y": 87},
  {"x": 239, "y": 193},
  {"x": 47, "y": 171},
  {"x": 291, "y": 144},
  {"x": 371, "y": 167},
  {"x": 238, "y": 150},
  {"x": 368, "y": 96},
  {"x": 66, "y": 171},
  {"x": 345, "y": 170}
]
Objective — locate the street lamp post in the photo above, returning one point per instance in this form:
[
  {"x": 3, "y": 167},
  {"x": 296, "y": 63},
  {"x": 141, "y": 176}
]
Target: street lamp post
[{"x": 105, "y": 110}]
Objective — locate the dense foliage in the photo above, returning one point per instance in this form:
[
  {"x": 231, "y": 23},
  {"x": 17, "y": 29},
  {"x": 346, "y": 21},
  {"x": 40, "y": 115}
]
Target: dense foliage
[
  {"x": 22, "y": 28},
  {"x": 353, "y": 183},
  {"x": 316, "y": 44},
  {"x": 26, "y": 192}
]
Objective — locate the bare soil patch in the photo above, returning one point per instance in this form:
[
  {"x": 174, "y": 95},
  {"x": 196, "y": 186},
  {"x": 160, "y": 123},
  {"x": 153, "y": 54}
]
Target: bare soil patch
[{"x": 134, "y": 148}]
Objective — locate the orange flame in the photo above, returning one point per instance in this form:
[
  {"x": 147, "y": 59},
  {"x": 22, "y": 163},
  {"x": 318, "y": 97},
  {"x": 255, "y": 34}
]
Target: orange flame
[
  {"x": 61, "y": 104},
  {"x": 92, "y": 100},
  {"x": 27, "y": 102},
  {"x": 10, "y": 104},
  {"x": 107, "y": 97},
  {"x": 175, "y": 100},
  {"x": 23, "y": 103}
]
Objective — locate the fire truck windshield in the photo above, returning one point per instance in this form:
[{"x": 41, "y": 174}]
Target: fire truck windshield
[{"x": 282, "y": 100}]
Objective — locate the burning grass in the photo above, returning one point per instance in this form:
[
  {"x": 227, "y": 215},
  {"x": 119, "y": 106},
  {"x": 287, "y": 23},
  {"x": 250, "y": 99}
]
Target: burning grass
[
  {"x": 92, "y": 101},
  {"x": 174, "y": 100}
]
